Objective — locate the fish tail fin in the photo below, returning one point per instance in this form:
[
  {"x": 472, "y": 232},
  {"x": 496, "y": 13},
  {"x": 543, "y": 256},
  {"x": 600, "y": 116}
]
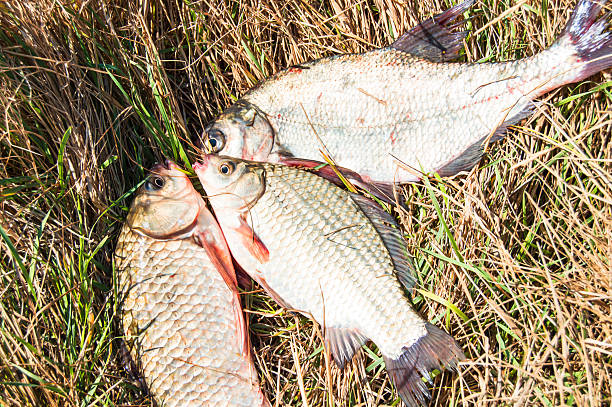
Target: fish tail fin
[
  {"x": 589, "y": 38},
  {"x": 433, "y": 351}
]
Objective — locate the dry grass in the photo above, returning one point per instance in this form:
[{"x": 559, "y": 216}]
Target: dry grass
[{"x": 514, "y": 259}]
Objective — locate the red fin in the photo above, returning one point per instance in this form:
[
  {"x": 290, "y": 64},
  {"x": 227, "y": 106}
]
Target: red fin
[
  {"x": 432, "y": 38},
  {"x": 381, "y": 190},
  {"x": 343, "y": 343},
  {"x": 435, "y": 350},
  {"x": 322, "y": 169},
  {"x": 591, "y": 37},
  {"x": 208, "y": 235},
  {"x": 244, "y": 280},
  {"x": 241, "y": 327},
  {"x": 252, "y": 242}
]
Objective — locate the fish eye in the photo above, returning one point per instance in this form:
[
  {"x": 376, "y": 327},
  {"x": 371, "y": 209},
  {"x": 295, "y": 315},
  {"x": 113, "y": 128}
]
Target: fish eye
[
  {"x": 215, "y": 140},
  {"x": 227, "y": 168},
  {"x": 154, "y": 183}
]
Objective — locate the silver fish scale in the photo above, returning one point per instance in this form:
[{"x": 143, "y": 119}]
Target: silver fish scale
[
  {"x": 327, "y": 260},
  {"x": 180, "y": 324},
  {"x": 369, "y": 107}
]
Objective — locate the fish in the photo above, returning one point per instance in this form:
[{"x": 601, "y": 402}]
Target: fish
[
  {"x": 396, "y": 114},
  {"x": 179, "y": 306},
  {"x": 332, "y": 255}
]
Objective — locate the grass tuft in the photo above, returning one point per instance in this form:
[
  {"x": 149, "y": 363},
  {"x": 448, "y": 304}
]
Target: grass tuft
[{"x": 513, "y": 259}]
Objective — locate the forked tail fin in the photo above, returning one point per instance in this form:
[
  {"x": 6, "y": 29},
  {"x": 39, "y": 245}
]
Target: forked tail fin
[
  {"x": 433, "y": 351},
  {"x": 589, "y": 37}
]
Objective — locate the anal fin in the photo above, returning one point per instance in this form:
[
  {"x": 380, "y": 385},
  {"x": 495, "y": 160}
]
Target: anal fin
[
  {"x": 467, "y": 159},
  {"x": 343, "y": 343}
]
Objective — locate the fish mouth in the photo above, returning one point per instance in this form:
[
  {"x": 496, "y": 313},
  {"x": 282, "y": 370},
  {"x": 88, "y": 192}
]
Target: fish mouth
[
  {"x": 167, "y": 165},
  {"x": 170, "y": 165},
  {"x": 158, "y": 169},
  {"x": 203, "y": 164}
]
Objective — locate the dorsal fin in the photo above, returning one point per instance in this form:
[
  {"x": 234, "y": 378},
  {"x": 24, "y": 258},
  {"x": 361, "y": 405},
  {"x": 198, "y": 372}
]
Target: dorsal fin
[
  {"x": 392, "y": 239},
  {"x": 432, "y": 39},
  {"x": 381, "y": 190}
]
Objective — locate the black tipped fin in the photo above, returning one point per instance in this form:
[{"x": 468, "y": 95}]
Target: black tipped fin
[
  {"x": 381, "y": 190},
  {"x": 472, "y": 155},
  {"x": 432, "y": 38},
  {"x": 591, "y": 38},
  {"x": 320, "y": 168},
  {"x": 343, "y": 343},
  {"x": 391, "y": 236},
  {"x": 435, "y": 350}
]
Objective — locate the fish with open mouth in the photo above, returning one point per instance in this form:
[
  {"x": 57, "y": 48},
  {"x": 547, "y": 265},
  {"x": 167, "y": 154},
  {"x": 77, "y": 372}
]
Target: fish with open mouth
[
  {"x": 396, "y": 113},
  {"x": 332, "y": 255},
  {"x": 180, "y": 307}
]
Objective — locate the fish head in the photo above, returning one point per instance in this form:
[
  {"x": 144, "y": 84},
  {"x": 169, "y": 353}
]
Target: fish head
[
  {"x": 166, "y": 205},
  {"x": 230, "y": 183},
  {"x": 240, "y": 131}
]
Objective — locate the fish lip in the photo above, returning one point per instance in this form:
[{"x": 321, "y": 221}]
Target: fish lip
[
  {"x": 201, "y": 165},
  {"x": 164, "y": 166},
  {"x": 158, "y": 169},
  {"x": 170, "y": 165}
]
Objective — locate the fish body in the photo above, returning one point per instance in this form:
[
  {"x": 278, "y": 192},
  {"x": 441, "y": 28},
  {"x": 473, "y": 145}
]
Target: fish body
[
  {"x": 331, "y": 255},
  {"x": 180, "y": 307},
  {"x": 396, "y": 113}
]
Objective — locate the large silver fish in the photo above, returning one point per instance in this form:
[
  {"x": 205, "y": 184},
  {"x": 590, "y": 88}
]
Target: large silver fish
[
  {"x": 395, "y": 113},
  {"x": 180, "y": 308},
  {"x": 332, "y": 255}
]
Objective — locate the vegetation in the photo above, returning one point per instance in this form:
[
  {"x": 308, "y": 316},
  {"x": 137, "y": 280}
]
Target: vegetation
[{"x": 513, "y": 259}]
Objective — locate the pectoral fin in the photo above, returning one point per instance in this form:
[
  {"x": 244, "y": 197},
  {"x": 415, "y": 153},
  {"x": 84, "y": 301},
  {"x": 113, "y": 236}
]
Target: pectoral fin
[
  {"x": 252, "y": 243},
  {"x": 273, "y": 294},
  {"x": 208, "y": 235},
  {"x": 322, "y": 169},
  {"x": 241, "y": 327}
]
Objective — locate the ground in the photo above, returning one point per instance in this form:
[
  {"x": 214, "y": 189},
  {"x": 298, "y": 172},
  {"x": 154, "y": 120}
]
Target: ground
[{"x": 513, "y": 258}]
